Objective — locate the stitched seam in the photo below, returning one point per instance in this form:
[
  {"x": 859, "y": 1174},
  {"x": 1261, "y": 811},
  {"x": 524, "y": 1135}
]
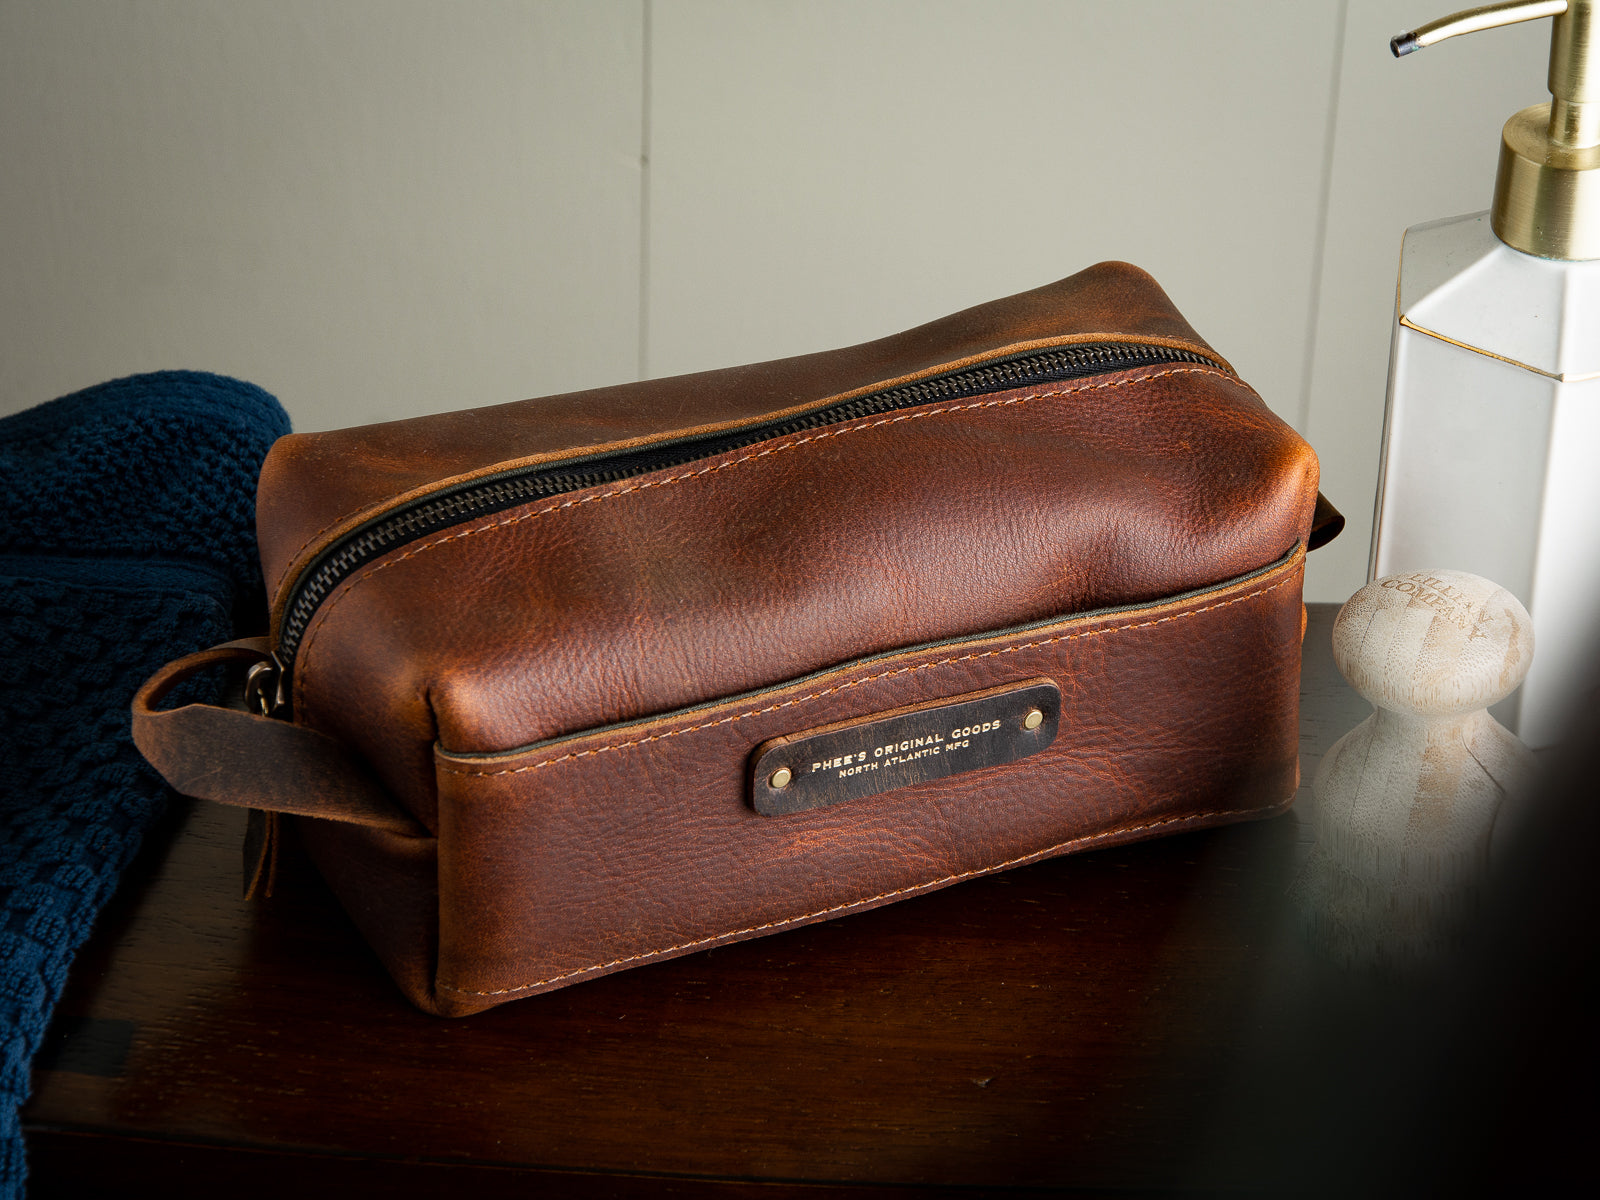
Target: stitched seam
[
  {"x": 305, "y": 650},
  {"x": 889, "y": 895},
  {"x": 840, "y": 687},
  {"x": 301, "y": 549}
]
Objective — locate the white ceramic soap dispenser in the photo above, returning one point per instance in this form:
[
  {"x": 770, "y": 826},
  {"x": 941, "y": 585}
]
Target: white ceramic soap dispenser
[{"x": 1491, "y": 456}]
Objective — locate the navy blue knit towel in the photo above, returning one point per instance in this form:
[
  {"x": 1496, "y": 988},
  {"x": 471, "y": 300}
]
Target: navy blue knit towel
[{"x": 127, "y": 538}]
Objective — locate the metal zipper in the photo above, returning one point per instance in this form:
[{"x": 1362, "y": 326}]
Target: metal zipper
[{"x": 495, "y": 493}]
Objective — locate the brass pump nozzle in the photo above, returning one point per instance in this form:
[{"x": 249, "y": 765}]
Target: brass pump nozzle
[{"x": 1547, "y": 191}]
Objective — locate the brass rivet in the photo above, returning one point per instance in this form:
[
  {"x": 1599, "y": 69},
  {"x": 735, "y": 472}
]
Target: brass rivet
[
  {"x": 780, "y": 778},
  {"x": 1033, "y": 720}
]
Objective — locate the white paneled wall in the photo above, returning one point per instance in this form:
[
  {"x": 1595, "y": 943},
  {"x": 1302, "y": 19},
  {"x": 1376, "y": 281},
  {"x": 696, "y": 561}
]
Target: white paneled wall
[
  {"x": 822, "y": 172},
  {"x": 377, "y": 208},
  {"x": 372, "y": 208}
]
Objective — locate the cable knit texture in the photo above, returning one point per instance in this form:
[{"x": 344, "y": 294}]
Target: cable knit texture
[{"x": 127, "y": 516}]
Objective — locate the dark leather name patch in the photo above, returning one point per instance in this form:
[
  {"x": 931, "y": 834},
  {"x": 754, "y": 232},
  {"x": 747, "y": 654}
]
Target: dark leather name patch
[{"x": 852, "y": 759}]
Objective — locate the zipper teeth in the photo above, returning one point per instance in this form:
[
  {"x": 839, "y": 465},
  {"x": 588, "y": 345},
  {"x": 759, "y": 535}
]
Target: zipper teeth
[{"x": 496, "y": 495}]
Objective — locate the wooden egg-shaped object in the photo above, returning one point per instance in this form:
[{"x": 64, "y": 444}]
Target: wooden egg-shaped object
[
  {"x": 1433, "y": 643},
  {"x": 1408, "y": 800}
]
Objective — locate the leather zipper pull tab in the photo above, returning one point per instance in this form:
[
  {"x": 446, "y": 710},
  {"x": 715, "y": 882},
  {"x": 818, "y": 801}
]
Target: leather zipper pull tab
[{"x": 262, "y": 837}]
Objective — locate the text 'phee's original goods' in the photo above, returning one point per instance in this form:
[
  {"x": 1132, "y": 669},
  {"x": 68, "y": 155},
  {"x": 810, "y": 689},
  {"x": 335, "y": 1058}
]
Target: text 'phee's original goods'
[{"x": 890, "y": 750}]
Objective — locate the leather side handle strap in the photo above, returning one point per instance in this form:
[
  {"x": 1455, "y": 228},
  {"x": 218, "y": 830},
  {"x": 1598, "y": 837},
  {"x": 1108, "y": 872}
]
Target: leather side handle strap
[{"x": 250, "y": 761}]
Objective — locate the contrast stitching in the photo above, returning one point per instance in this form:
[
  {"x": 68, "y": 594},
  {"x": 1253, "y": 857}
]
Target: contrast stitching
[
  {"x": 301, "y": 549},
  {"x": 305, "y": 650},
  {"x": 839, "y": 908},
  {"x": 840, "y": 687}
]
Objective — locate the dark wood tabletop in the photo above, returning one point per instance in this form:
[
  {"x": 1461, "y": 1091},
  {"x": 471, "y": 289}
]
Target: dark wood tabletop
[{"x": 1104, "y": 1021}]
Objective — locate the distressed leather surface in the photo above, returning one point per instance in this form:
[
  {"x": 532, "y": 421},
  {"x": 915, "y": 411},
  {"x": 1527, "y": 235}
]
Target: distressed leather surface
[
  {"x": 756, "y": 570},
  {"x": 316, "y": 484},
  {"x": 769, "y": 562},
  {"x": 629, "y": 845}
]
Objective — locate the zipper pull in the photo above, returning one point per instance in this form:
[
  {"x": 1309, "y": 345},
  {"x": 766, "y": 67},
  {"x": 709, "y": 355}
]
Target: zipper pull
[{"x": 264, "y": 687}]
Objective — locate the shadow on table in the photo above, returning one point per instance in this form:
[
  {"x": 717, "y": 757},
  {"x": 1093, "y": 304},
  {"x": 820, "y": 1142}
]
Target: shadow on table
[{"x": 1477, "y": 1077}]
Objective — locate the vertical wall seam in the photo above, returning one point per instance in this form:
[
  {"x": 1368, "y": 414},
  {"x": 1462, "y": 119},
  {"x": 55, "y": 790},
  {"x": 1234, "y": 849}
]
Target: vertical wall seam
[
  {"x": 643, "y": 365},
  {"x": 1330, "y": 139}
]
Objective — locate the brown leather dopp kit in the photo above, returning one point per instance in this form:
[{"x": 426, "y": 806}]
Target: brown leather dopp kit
[{"x": 577, "y": 684}]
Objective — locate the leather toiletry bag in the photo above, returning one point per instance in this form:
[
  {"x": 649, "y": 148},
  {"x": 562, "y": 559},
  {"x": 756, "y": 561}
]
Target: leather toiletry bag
[{"x": 571, "y": 685}]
